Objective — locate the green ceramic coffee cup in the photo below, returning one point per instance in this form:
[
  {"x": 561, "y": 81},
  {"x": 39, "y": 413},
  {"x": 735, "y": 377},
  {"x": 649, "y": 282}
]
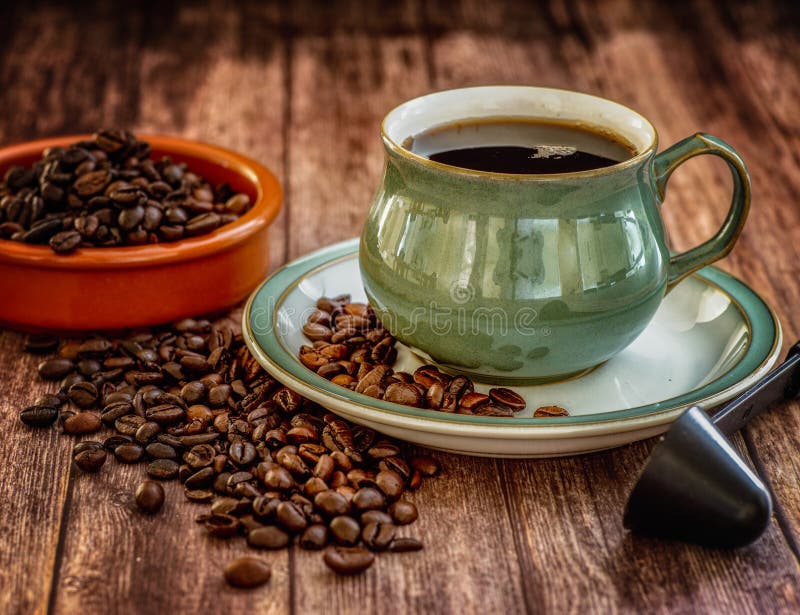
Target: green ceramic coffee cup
[{"x": 528, "y": 278}]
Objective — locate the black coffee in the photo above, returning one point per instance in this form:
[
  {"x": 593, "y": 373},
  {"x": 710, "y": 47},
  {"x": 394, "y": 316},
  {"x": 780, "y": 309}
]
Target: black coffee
[{"x": 520, "y": 146}]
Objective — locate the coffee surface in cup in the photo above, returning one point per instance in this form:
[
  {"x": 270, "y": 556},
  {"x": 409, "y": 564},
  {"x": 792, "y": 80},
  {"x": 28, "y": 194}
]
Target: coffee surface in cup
[{"x": 521, "y": 146}]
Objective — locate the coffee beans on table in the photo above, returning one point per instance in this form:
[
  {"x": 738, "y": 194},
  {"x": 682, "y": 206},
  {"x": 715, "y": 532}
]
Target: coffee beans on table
[
  {"x": 348, "y": 560},
  {"x": 350, "y": 347},
  {"x": 247, "y": 572},
  {"x": 191, "y": 403},
  {"x": 149, "y": 496},
  {"x": 109, "y": 191}
]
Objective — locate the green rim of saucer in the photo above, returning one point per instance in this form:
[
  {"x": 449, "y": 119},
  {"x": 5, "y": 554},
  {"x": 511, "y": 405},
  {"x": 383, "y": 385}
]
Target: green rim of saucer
[{"x": 765, "y": 339}]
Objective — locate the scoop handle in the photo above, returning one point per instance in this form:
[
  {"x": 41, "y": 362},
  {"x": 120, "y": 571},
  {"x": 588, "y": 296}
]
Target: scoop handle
[{"x": 780, "y": 384}]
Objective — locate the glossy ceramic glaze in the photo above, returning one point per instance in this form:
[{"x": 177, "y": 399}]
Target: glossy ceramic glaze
[
  {"x": 112, "y": 288},
  {"x": 711, "y": 338},
  {"x": 527, "y": 278}
]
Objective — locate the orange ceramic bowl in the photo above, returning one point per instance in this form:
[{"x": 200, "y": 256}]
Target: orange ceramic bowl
[{"x": 117, "y": 288}]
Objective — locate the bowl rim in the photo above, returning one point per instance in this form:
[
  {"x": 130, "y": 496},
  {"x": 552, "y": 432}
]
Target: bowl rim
[{"x": 269, "y": 197}]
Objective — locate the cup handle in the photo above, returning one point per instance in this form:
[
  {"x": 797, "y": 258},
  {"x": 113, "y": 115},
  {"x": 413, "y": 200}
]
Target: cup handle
[{"x": 686, "y": 263}]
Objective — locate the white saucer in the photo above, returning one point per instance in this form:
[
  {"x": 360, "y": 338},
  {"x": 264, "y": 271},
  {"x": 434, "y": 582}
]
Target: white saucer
[{"x": 711, "y": 338}]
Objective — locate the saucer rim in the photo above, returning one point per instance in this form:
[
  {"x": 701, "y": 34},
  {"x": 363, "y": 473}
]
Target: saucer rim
[{"x": 282, "y": 365}]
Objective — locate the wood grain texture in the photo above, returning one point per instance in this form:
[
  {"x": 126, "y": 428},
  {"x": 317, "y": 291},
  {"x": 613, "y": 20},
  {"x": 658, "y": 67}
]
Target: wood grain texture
[
  {"x": 342, "y": 86},
  {"x": 33, "y": 486},
  {"x": 302, "y": 87}
]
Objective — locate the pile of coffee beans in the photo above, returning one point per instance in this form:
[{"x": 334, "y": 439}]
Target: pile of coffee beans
[
  {"x": 192, "y": 404},
  {"x": 350, "y": 347},
  {"x": 108, "y": 191}
]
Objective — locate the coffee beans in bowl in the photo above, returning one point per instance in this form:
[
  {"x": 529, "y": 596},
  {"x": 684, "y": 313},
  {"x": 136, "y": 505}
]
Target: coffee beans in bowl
[
  {"x": 132, "y": 227},
  {"x": 108, "y": 191}
]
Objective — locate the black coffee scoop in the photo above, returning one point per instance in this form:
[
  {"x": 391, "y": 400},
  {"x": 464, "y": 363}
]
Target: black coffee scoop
[{"x": 695, "y": 487}]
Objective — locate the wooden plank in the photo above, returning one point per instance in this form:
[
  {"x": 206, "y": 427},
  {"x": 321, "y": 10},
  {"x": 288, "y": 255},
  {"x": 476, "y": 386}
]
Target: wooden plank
[
  {"x": 34, "y": 475},
  {"x": 215, "y": 75},
  {"x": 574, "y": 553},
  {"x": 342, "y": 86}
]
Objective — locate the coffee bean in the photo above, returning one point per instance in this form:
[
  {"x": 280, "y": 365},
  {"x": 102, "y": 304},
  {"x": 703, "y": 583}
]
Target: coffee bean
[
  {"x": 130, "y": 452},
  {"x": 200, "y": 456},
  {"x": 198, "y": 495},
  {"x": 53, "y": 369},
  {"x": 237, "y": 204},
  {"x": 346, "y": 561},
  {"x": 164, "y": 414},
  {"x": 194, "y": 392},
  {"x": 427, "y": 465},
  {"x": 344, "y": 530},
  {"x": 200, "y": 438},
  {"x": 404, "y": 545},
  {"x": 290, "y": 516},
  {"x": 88, "y": 367},
  {"x": 390, "y": 483},
  {"x": 331, "y": 503},
  {"x": 49, "y": 399},
  {"x": 90, "y": 460},
  {"x": 314, "y": 538},
  {"x": 83, "y": 394},
  {"x": 232, "y": 506},
  {"x": 41, "y": 343},
  {"x": 222, "y": 526},
  {"x": 146, "y": 432},
  {"x": 158, "y": 450},
  {"x": 162, "y": 469},
  {"x": 82, "y": 422},
  {"x": 494, "y": 409},
  {"x": 219, "y": 395},
  {"x": 200, "y": 479},
  {"x": 149, "y": 496},
  {"x": 378, "y": 536},
  {"x": 396, "y": 464},
  {"x": 247, "y": 572},
  {"x": 471, "y": 401},
  {"x": 313, "y": 486},
  {"x": 278, "y": 478},
  {"x": 129, "y": 424},
  {"x": 65, "y": 242},
  {"x": 112, "y": 442},
  {"x": 428, "y": 375},
  {"x": 383, "y": 449},
  {"x": 549, "y": 411},
  {"x": 242, "y": 453},
  {"x": 368, "y": 498},
  {"x": 202, "y": 224},
  {"x": 375, "y": 516},
  {"x": 39, "y": 416},
  {"x": 268, "y": 537},
  {"x": 316, "y": 331},
  {"x": 403, "y": 512},
  {"x": 91, "y": 183},
  {"x": 403, "y": 393},
  {"x": 507, "y": 397}
]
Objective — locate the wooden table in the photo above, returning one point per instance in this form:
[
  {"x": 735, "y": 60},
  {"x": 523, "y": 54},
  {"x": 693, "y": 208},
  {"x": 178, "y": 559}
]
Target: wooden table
[{"x": 302, "y": 87}]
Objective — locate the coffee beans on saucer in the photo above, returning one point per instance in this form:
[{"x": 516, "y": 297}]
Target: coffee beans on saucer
[
  {"x": 108, "y": 191},
  {"x": 190, "y": 403},
  {"x": 350, "y": 347}
]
